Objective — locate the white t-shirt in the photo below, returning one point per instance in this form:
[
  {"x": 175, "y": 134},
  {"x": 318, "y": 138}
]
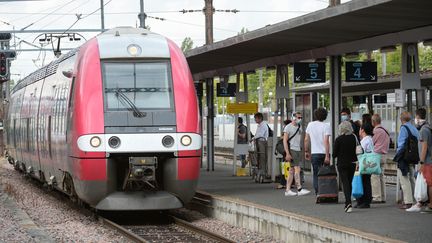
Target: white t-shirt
[
  {"x": 317, "y": 131},
  {"x": 295, "y": 141},
  {"x": 367, "y": 144}
]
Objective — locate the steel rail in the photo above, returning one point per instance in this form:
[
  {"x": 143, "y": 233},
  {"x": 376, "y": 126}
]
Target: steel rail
[
  {"x": 200, "y": 231},
  {"x": 130, "y": 235}
]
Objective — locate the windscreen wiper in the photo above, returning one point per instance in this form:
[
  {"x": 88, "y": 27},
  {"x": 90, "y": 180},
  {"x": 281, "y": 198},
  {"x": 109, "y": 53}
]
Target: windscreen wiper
[{"x": 132, "y": 106}]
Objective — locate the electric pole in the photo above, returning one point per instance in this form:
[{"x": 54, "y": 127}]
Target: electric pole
[
  {"x": 142, "y": 16},
  {"x": 102, "y": 16},
  {"x": 208, "y": 12}
]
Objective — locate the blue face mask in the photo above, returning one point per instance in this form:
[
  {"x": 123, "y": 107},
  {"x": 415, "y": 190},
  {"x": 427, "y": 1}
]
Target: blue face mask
[{"x": 344, "y": 118}]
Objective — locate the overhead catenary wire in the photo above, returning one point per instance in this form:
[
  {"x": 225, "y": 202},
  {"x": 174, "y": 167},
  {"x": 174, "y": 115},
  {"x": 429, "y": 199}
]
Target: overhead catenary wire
[
  {"x": 82, "y": 4},
  {"x": 28, "y": 14},
  {"x": 34, "y": 22},
  {"x": 187, "y": 23}
]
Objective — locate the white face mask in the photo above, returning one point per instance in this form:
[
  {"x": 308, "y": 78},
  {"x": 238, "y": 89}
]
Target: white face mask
[
  {"x": 298, "y": 121},
  {"x": 418, "y": 121}
]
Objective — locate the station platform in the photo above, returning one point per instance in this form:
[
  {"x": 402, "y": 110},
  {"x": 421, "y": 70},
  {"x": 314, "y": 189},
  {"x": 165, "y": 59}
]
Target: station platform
[{"x": 381, "y": 223}]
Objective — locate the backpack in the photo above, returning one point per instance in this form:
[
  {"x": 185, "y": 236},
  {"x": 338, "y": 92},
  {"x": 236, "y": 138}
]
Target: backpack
[
  {"x": 270, "y": 131},
  {"x": 411, "y": 154}
]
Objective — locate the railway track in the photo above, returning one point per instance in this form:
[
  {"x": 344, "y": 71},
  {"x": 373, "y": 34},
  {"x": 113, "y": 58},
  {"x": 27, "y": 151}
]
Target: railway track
[{"x": 169, "y": 229}]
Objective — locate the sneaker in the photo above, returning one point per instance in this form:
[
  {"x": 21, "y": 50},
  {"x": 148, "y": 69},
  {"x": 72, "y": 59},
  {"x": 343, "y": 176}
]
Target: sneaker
[
  {"x": 414, "y": 208},
  {"x": 428, "y": 209},
  {"x": 348, "y": 208},
  {"x": 290, "y": 193},
  {"x": 303, "y": 192}
]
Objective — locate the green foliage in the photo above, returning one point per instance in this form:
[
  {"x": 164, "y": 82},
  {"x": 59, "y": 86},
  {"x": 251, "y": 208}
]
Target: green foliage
[{"x": 187, "y": 44}]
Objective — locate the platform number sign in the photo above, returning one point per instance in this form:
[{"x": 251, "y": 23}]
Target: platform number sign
[
  {"x": 361, "y": 72},
  {"x": 309, "y": 72}
]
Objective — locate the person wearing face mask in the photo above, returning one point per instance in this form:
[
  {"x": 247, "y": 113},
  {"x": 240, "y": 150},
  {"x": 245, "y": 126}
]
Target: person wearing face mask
[
  {"x": 346, "y": 116},
  {"x": 293, "y": 154}
]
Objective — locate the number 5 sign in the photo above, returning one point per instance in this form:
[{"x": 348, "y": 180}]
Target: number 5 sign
[{"x": 309, "y": 72}]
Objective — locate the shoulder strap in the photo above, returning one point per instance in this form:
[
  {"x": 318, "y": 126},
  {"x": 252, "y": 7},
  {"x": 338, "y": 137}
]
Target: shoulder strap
[
  {"x": 357, "y": 141},
  {"x": 409, "y": 132},
  {"x": 385, "y": 130},
  {"x": 289, "y": 139}
]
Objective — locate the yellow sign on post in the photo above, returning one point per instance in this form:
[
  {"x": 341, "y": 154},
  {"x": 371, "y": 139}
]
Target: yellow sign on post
[{"x": 242, "y": 108}]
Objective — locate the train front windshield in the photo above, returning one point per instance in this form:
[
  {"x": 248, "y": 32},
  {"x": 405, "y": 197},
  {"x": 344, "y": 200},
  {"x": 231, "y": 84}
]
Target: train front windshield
[{"x": 141, "y": 85}]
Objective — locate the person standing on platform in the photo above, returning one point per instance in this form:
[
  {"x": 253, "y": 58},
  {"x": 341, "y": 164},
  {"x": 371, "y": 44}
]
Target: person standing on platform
[
  {"x": 366, "y": 132},
  {"x": 293, "y": 154},
  {"x": 425, "y": 152},
  {"x": 242, "y": 139},
  {"x": 344, "y": 150},
  {"x": 317, "y": 135},
  {"x": 381, "y": 141},
  {"x": 346, "y": 116},
  {"x": 260, "y": 138},
  {"x": 405, "y": 171}
]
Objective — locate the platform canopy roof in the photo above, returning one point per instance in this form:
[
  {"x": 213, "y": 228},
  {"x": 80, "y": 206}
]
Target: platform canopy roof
[{"x": 358, "y": 25}]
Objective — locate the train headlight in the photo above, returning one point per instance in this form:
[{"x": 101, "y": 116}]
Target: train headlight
[
  {"x": 95, "y": 142},
  {"x": 134, "y": 50},
  {"x": 114, "y": 142},
  {"x": 186, "y": 140},
  {"x": 167, "y": 141}
]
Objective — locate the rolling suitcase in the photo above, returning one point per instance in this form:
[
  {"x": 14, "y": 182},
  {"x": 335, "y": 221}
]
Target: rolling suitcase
[{"x": 327, "y": 185}]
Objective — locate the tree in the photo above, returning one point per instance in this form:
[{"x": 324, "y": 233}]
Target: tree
[{"x": 187, "y": 44}]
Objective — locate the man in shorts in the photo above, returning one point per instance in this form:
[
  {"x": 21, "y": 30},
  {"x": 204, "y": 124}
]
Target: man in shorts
[{"x": 293, "y": 154}]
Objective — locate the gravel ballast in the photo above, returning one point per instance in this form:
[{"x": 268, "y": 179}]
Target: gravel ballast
[
  {"x": 64, "y": 222},
  {"x": 50, "y": 211}
]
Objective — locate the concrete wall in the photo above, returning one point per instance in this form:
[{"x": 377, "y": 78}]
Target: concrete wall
[{"x": 283, "y": 225}]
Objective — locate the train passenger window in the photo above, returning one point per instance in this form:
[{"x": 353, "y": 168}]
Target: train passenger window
[{"x": 146, "y": 85}]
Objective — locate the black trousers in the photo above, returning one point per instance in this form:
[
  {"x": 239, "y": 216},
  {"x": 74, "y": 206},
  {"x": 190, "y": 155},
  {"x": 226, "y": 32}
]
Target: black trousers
[
  {"x": 346, "y": 174},
  {"x": 366, "y": 199}
]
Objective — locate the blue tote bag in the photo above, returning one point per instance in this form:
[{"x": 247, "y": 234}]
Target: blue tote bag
[
  {"x": 369, "y": 163},
  {"x": 357, "y": 185}
]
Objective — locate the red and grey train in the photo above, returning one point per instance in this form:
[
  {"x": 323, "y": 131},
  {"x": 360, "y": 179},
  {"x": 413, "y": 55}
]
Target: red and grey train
[{"x": 113, "y": 123}]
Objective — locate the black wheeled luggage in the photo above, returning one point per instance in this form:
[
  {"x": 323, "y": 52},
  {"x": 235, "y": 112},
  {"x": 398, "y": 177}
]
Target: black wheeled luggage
[{"x": 327, "y": 185}]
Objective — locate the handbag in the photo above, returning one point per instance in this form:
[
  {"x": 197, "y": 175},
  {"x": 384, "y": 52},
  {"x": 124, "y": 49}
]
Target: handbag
[
  {"x": 359, "y": 149},
  {"x": 421, "y": 189},
  {"x": 369, "y": 163},
  {"x": 357, "y": 185},
  {"x": 285, "y": 167}
]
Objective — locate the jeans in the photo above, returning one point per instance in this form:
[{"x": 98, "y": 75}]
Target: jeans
[
  {"x": 317, "y": 161},
  {"x": 346, "y": 174},
  {"x": 366, "y": 199}
]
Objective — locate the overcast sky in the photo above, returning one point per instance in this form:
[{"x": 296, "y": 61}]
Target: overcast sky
[{"x": 253, "y": 14}]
